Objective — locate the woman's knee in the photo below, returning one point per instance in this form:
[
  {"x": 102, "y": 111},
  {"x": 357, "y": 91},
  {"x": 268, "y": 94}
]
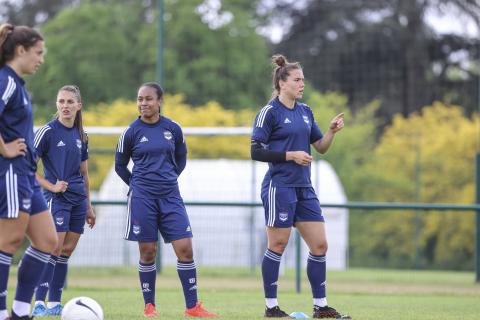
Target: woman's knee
[
  {"x": 67, "y": 250},
  {"x": 148, "y": 253},
  {"x": 319, "y": 249},
  {"x": 11, "y": 244},
  {"x": 278, "y": 246},
  {"x": 49, "y": 243},
  {"x": 185, "y": 253}
]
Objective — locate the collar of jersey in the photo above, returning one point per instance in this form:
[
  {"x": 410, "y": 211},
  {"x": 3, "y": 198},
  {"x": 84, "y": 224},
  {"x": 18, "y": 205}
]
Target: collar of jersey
[
  {"x": 277, "y": 102},
  {"x": 160, "y": 120}
]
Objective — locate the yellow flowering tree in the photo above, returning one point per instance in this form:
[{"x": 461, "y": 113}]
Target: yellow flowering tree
[{"x": 427, "y": 157}]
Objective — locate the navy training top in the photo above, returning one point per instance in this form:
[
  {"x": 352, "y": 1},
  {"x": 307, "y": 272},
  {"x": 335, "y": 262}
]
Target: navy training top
[
  {"x": 62, "y": 151},
  {"x": 158, "y": 152},
  {"x": 283, "y": 129},
  {"x": 16, "y": 121}
]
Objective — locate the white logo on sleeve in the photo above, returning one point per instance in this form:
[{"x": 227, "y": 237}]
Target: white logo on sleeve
[
  {"x": 287, "y": 121},
  {"x": 60, "y": 144},
  {"x": 144, "y": 139}
]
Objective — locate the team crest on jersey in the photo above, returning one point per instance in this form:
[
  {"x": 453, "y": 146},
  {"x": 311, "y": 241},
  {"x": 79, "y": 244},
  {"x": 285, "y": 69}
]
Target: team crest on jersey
[
  {"x": 136, "y": 229},
  {"x": 59, "y": 221},
  {"x": 305, "y": 118},
  {"x": 168, "y": 135},
  {"x": 283, "y": 216},
  {"x": 79, "y": 144},
  {"x": 26, "y": 203}
]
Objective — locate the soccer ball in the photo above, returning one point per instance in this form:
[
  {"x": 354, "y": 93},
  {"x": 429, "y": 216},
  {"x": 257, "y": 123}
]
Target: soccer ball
[{"x": 82, "y": 308}]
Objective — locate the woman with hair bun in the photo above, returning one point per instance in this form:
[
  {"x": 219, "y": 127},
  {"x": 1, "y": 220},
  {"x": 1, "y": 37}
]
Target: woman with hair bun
[{"x": 282, "y": 134}]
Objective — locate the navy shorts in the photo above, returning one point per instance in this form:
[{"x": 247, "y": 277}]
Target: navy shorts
[
  {"x": 284, "y": 206},
  {"x": 68, "y": 216},
  {"x": 20, "y": 193},
  {"x": 145, "y": 217}
]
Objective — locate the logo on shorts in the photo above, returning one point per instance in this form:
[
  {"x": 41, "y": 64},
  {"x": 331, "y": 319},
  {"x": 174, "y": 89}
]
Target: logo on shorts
[
  {"x": 188, "y": 229},
  {"x": 59, "y": 220},
  {"x": 26, "y": 203},
  {"x": 305, "y": 118},
  {"x": 79, "y": 144},
  {"x": 136, "y": 229},
  {"x": 168, "y": 135},
  {"x": 283, "y": 216},
  {"x": 45, "y": 284}
]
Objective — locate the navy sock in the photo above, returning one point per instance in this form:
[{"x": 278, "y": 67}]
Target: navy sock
[
  {"x": 29, "y": 272},
  {"x": 46, "y": 279},
  {"x": 148, "y": 277},
  {"x": 317, "y": 275},
  {"x": 187, "y": 272},
  {"x": 270, "y": 269},
  {"x": 58, "y": 280},
  {"x": 5, "y": 262}
]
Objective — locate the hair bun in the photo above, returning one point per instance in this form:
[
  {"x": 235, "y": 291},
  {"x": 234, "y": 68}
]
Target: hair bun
[{"x": 279, "y": 60}]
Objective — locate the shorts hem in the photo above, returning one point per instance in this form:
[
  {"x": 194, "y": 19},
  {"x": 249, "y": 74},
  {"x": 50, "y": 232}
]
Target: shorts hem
[
  {"x": 141, "y": 240},
  {"x": 37, "y": 212},
  {"x": 74, "y": 231},
  {"x": 185, "y": 236},
  {"x": 311, "y": 220},
  {"x": 280, "y": 227}
]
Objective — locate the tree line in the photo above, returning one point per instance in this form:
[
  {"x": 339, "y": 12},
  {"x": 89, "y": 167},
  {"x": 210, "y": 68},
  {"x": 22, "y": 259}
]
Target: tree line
[
  {"x": 378, "y": 60},
  {"x": 365, "y": 49}
]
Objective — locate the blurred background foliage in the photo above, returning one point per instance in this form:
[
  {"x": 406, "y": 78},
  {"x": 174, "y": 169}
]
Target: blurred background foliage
[{"x": 408, "y": 84}]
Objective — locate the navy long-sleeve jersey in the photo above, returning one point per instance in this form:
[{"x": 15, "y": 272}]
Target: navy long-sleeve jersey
[
  {"x": 159, "y": 154},
  {"x": 284, "y": 129}
]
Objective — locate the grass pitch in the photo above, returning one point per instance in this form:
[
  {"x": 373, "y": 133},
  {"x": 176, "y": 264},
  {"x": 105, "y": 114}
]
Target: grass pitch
[{"x": 237, "y": 293}]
